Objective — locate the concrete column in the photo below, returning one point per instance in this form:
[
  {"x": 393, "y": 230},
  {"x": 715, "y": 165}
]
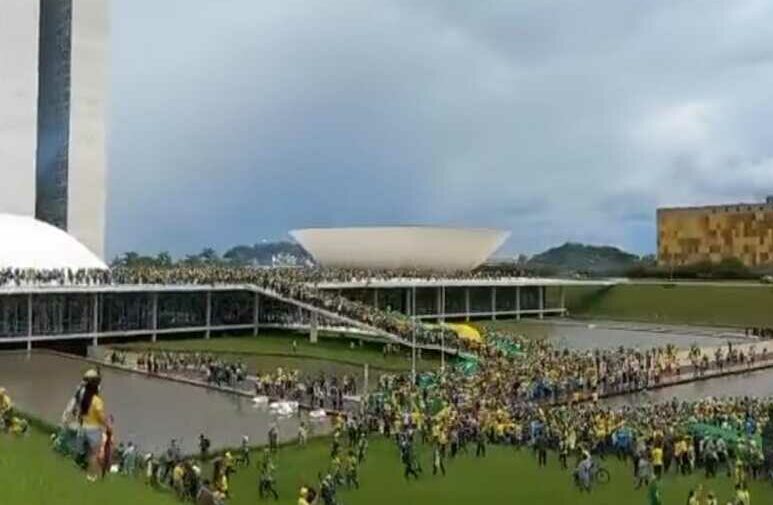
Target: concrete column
[
  {"x": 208, "y": 331},
  {"x": 443, "y": 329},
  {"x": 518, "y": 303},
  {"x": 408, "y": 304},
  {"x": 314, "y": 333},
  {"x": 493, "y": 303},
  {"x": 541, "y": 292},
  {"x": 95, "y": 319},
  {"x": 154, "y": 316},
  {"x": 413, "y": 339},
  {"x": 375, "y": 297},
  {"x": 256, "y": 315},
  {"x": 563, "y": 301},
  {"x": 467, "y": 304},
  {"x": 440, "y": 304},
  {"x": 29, "y": 322}
]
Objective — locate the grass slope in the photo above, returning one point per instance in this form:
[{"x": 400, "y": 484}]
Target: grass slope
[
  {"x": 32, "y": 474},
  {"x": 676, "y": 304},
  {"x": 276, "y": 345}
]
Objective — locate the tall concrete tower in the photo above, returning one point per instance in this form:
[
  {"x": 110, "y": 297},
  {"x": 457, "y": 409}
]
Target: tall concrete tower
[{"x": 53, "y": 61}]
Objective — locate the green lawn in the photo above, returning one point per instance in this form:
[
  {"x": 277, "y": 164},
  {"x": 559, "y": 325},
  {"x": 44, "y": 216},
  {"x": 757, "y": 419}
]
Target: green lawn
[
  {"x": 671, "y": 304},
  {"x": 31, "y": 474},
  {"x": 528, "y": 328},
  {"x": 279, "y": 345}
]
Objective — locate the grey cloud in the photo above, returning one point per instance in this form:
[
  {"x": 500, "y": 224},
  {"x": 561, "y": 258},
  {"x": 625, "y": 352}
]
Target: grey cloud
[{"x": 236, "y": 120}]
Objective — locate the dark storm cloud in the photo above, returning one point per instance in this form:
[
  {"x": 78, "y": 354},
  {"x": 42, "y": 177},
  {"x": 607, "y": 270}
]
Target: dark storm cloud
[{"x": 238, "y": 120}]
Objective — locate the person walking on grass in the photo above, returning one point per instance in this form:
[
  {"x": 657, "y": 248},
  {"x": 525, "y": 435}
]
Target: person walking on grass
[
  {"x": 438, "y": 459},
  {"x": 654, "y": 496},
  {"x": 742, "y": 495},
  {"x": 408, "y": 459},
  {"x": 584, "y": 471},
  {"x": 267, "y": 483},
  {"x": 362, "y": 447},
  {"x": 644, "y": 472},
  {"x": 480, "y": 443},
  {"x": 244, "y": 452},
  {"x": 204, "y": 445},
  {"x": 94, "y": 424},
  {"x": 657, "y": 461},
  {"x": 6, "y": 409},
  {"x": 542, "y": 450},
  {"x": 303, "y": 434},
  {"x": 352, "y": 470},
  {"x": 273, "y": 438},
  {"x": 694, "y": 497}
]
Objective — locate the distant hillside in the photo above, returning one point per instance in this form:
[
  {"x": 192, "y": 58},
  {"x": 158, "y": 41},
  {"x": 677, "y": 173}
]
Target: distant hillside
[{"x": 572, "y": 257}]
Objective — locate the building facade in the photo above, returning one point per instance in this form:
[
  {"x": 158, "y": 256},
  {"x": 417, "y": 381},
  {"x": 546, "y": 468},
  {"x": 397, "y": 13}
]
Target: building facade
[
  {"x": 744, "y": 231},
  {"x": 52, "y": 128}
]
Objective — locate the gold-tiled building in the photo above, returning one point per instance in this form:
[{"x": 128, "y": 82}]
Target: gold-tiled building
[{"x": 689, "y": 235}]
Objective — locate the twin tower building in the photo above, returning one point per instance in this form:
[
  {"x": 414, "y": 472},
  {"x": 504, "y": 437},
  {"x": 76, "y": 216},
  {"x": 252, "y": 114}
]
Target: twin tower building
[{"x": 53, "y": 84}]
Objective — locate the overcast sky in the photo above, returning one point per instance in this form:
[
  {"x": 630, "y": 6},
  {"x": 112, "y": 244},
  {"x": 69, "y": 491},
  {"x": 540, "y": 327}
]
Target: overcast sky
[{"x": 237, "y": 120}]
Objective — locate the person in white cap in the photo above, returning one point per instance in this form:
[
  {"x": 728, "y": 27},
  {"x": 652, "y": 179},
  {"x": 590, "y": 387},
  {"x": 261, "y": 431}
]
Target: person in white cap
[{"x": 94, "y": 423}]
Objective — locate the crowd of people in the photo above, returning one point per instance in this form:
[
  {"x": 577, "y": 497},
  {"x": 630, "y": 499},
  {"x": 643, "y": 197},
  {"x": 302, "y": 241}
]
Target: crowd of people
[
  {"x": 210, "y": 368},
  {"x": 539, "y": 397},
  {"x": 207, "y": 274},
  {"x": 527, "y": 400},
  {"x": 10, "y": 421},
  {"x": 17, "y": 277},
  {"x": 544, "y": 373},
  {"x": 320, "y": 391},
  {"x": 457, "y": 411},
  {"x": 365, "y": 275}
]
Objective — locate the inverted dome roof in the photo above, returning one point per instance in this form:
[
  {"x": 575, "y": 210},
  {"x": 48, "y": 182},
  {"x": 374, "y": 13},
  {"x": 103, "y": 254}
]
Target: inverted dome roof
[
  {"x": 31, "y": 244},
  {"x": 401, "y": 247}
]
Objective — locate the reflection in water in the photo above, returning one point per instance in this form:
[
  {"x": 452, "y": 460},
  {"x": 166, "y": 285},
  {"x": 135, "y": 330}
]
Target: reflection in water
[
  {"x": 581, "y": 336},
  {"x": 147, "y": 411},
  {"x": 759, "y": 384}
]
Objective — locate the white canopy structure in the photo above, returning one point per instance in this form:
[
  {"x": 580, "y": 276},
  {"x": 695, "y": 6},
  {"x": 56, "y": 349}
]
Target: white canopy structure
[
  {"x": 27, "y": 243},
  {"x": 401, "y": 247}
]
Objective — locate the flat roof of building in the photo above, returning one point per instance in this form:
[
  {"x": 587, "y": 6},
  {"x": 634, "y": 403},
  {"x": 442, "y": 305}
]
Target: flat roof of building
[{"x": 726, "y": 207}]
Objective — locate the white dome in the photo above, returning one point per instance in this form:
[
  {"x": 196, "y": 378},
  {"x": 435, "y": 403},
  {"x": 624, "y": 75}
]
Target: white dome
[{"x": 31, "y": 244}]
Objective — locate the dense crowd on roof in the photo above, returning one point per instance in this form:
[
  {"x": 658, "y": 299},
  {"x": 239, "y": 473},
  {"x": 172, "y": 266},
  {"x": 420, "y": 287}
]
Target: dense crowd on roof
[
  {"x": 17, "y": 277},
  {"x": 333, "y": 275},
  {"x": 213, "y": 274}
]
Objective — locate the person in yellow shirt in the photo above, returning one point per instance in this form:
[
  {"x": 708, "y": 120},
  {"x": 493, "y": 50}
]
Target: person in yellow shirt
[
  {"x": 742, "y": 495},
  {"x": 93, "y": 422},
  {"x": 657, "y": 460},
  {"x": 681, "y": 455},
  {"x": 6, "y": 408},
  {"x": 178, "y": 476},
  {"x": 303, "y": 498}
]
